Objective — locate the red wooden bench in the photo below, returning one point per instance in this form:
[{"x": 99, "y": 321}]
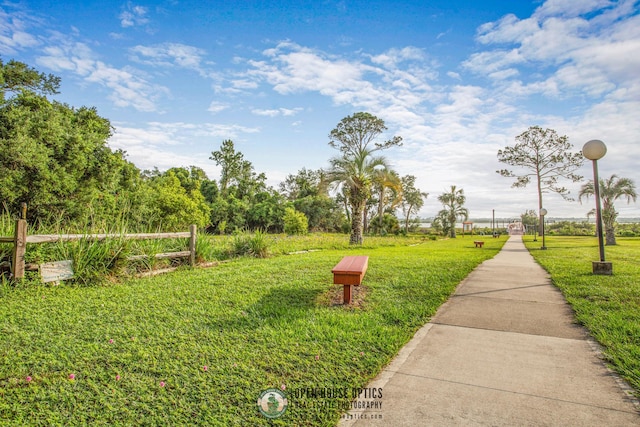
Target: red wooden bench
[
  {"x": 349, "y": 272},
  {"x": 478, "y": 243}
]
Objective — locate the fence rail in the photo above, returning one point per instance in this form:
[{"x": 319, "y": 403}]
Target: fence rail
[
  {"x": 21, "y": 238},
  {"x": 52, "y": 238}
]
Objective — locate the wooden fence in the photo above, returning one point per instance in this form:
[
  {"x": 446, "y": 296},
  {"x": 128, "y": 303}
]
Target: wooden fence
[{"x": 21, "y": 238}]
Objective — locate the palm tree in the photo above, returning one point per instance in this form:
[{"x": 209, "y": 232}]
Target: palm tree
[
  {"x": 453, "y": 203},
  {"x": 412, "y": 199},
  {"x": 356, "y": 172},
  {"x": 611, "y": 189},
  {"x": 389, "y": 188}
]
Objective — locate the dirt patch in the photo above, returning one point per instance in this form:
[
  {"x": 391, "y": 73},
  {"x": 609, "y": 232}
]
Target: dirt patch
[{"x": 334, "y": 297}]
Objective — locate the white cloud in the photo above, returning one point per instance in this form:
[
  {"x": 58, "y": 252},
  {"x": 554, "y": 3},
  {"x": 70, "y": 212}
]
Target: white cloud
[
  {"x": 268, "y": 113},
  {"x": 297, "y": 69},
  {"x": 216, "y": 107},
  {"x": 287, "y": 112},
  {"x": 134, "y": 15},
  {"x": 571, "y": 8},
  {"x": 169, "y": 144},
  {"x": 394, "y": 57},
  {"x": 244, "y": 84},
  {"x": 276, "y": 112},
  {"x": 127, "y": 87},
  {"x": 594, "y": 46},
  {"x": 169, "y": 55},
  {"x": 493, "y": 61},
  {"x": 13, "y": 32},
  {"x": 504, "y": 74},
  {"x": 398, "y": 95},
  {"x": 507, "y": 29}
]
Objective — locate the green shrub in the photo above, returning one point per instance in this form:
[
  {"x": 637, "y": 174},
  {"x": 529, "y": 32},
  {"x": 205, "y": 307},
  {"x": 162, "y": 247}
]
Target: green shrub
[
  {"x": 390, "y": 225},
  {"x": 295, "y": 222},
  {"x": 210, "y": 248},
  {"x": 246, "y": 244},
  {"x": 93, "y": 261}
]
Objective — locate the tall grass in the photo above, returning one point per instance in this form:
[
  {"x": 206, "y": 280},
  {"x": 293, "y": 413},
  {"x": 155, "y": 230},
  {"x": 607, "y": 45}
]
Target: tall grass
[
  {"x": 7, "y": 229},
  {"x": 254, "y": 244},
  {"x": 94, "y": 261}
]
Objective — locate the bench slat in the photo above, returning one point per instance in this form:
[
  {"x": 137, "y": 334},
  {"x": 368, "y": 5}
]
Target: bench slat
[
  {"x": 350, "y": 270},
  {"x": 352, "y": 264}
]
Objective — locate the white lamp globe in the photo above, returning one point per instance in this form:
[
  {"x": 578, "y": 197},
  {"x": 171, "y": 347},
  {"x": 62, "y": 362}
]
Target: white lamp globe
[{"x": 594, "y": 149}]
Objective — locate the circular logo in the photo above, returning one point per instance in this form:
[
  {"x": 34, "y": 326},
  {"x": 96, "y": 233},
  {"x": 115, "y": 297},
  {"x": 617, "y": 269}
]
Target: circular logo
[{"x": 272, "y": 403}]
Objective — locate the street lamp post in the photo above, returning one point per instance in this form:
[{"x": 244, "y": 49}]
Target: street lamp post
[
  {"x": 594, "y": 150},
  {"x": 543, "y": 212}
]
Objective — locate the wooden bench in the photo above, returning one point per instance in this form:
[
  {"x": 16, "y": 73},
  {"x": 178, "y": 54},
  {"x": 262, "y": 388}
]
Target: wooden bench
[
  {"x": 478, "y": 243},
  {"x": 349, "y": 272}
]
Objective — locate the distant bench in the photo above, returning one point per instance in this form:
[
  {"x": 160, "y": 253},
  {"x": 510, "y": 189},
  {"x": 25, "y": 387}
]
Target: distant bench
[
  {"x": 350, "y": 272},
  {"x": 478, "y": 243}
]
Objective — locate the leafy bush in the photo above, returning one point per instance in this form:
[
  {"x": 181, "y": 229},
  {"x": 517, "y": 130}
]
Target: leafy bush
[
  {"x": 390, "y": 225},
  {"x": 246, "y": 244},
  {"x": 295, "y": 222},
  {"x": 93, "y": 261},
  {"x": 570, "y": 228}
]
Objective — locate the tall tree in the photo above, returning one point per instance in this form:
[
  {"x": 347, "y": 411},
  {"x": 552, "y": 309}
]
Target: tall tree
[
  {"x": 17, "y": 76},
  {"x": 231, "y": 163},
  {"x": 542, "y": 155},
  {"x": 611, "y": 189},
  {"x": 355, "y": 169},
  {"x": 357, "y": 133},
  {"x": 190, "y": 179},
  {"x": 305, "y": 183},
  {"x": 172, "y": 206},
  {"x": 412, "y": 199},
  {"x": 243, "y": 199},
  {"x": 453, "y": 208},
  {"x": 355, "y": 175},
  {"x": 309, "y": 194},
  {"x": 54, "y": 157},
  {"x": 266, "y": 211}
]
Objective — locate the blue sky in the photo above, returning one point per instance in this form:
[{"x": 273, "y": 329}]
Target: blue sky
[{"x": 458, "y": 80}]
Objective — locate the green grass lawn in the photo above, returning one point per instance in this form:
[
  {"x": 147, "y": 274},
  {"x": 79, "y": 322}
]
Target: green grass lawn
[
  {"x": 197, "y": 347},
  {"x": 609, "y": 306}
]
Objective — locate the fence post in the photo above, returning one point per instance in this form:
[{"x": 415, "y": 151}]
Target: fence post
[
  {"x": 19, "y": 245},
  {"x": 192, "y": 244}
]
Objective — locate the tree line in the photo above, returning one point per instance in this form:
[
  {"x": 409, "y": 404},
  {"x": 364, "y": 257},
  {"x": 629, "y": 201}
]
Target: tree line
[
  {"x": 55, "y": 158},
  {"x": 544, "y": 157}
]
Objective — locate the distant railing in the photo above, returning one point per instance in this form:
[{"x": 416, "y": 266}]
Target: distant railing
[{"x": 20, "y": 240}]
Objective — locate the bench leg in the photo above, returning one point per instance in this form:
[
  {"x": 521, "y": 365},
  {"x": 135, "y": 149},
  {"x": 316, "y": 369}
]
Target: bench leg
[{"x": 347, "y": 294}]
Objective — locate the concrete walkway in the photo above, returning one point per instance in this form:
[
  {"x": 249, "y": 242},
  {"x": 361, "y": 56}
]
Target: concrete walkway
[{"x": 503, "y": 351}]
